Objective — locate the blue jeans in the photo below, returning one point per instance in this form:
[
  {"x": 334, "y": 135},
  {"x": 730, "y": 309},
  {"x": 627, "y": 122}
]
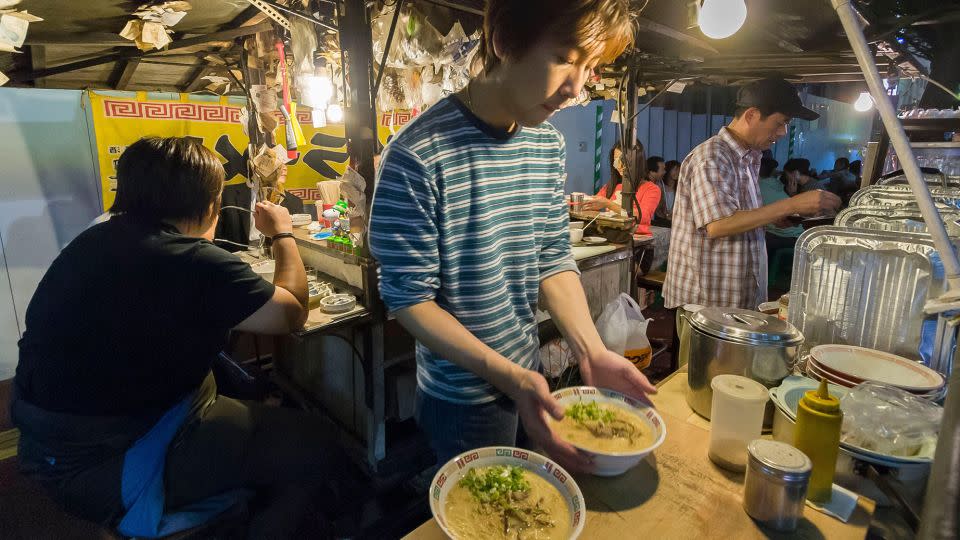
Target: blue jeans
[{"x": 453, "y": 428}]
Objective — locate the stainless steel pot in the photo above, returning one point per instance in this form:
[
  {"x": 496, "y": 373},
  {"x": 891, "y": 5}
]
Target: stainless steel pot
[{"x": 733, "y": 341}]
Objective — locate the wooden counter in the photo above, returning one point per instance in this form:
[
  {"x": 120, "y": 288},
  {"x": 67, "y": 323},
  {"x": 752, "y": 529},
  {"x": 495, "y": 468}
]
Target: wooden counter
[{"x": 678, "y": 492}]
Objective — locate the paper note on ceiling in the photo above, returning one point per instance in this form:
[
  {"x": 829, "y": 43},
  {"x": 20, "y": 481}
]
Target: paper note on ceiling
[{"x": 13, "y": 30}]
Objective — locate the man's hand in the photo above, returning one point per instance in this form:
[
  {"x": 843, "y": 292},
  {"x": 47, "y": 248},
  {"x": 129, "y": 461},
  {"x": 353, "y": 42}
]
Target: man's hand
[
  {"x": 272, "y": 219},
  {"x": 814, "y": 203},
  {"x": 534, "y": 405},
  {"x": 610, "y": 370}
]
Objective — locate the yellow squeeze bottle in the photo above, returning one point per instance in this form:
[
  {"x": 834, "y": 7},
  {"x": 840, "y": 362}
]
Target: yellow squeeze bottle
[{"x": 818, "y": 436}]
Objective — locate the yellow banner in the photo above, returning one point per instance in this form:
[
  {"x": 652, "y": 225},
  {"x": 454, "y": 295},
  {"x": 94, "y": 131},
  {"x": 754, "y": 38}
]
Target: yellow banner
[{"x": 119, "y": 122}]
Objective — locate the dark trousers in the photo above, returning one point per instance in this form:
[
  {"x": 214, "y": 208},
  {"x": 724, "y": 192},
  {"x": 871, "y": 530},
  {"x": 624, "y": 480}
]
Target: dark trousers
[{"x": 302, "y": 479}]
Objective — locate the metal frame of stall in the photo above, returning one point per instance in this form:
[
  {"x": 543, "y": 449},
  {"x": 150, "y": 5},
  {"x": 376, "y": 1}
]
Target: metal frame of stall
[{"x": 941, "y": 510}]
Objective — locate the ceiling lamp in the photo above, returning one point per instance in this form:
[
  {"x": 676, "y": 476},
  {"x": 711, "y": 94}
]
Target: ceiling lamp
[
  {"x": 719, "y": 19},
  {"x": 863, "y": 103}
]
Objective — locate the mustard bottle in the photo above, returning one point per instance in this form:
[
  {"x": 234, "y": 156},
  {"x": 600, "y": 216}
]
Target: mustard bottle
[{"x": 818, "y": 436}]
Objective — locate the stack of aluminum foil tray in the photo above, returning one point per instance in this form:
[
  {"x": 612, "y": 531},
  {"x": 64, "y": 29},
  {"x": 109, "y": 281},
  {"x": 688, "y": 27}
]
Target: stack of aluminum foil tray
[
  {"x": 898, "y": 195},
  {"x": 868, "y": 288},
  {"x": 937, "y": 179},
  {"x": 900, "y": 219}
]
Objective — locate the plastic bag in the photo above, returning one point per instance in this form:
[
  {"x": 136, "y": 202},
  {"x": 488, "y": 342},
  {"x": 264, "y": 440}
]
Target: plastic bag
[
  {"x": 890, "y": 421},
  {"x": 623, "y": 330}
]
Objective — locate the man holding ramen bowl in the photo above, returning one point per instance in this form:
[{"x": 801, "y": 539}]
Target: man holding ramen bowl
[{"x": 469, "y": 226}]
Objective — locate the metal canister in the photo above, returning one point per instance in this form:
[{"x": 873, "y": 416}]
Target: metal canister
[
  {"x": 576, "y": 200},
  {"x": 775, "y": 487}
]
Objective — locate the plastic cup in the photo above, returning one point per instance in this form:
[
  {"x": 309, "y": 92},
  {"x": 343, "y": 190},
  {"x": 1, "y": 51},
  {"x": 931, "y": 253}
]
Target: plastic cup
[{"x": 736, "y": 418}]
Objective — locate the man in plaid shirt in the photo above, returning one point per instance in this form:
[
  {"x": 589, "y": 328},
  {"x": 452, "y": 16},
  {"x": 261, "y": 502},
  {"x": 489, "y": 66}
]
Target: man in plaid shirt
[{"x": 718, "y": 255}]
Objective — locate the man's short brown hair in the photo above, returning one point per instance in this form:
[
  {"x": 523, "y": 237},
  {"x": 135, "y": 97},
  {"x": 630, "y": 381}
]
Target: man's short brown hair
[
  {"x": 168, "y": 179},
  {"x": 590, "y": 24}
]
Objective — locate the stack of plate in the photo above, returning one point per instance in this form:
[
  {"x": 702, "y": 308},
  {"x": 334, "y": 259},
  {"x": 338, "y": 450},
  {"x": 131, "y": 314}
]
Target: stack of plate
[
  {"x": 848, "y": 366},
  {"x": 786, "y": 398}
]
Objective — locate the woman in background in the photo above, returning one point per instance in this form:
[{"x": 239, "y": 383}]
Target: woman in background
[{"x": 646, "y": 197}]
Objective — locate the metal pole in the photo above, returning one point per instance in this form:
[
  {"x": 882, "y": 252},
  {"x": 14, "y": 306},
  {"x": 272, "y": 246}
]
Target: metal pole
[
  {"x": 941, "y": 509},
  {"x": 360, "y": 117},
  {"x": 632, "y": 177},
  {"x": 898, "y": 137}
]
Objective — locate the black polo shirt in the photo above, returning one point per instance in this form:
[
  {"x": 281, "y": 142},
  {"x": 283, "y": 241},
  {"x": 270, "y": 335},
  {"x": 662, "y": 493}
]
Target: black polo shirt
[{"x": 129, "y": 318}]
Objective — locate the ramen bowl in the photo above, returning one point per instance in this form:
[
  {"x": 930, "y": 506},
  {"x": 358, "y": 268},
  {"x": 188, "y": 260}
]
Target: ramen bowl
[
  {"x": 454, "y": 470},
  {"x": 616, "y": 463}
]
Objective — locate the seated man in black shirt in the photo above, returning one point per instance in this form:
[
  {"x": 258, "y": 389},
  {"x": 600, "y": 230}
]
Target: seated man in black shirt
[{"x": 117, "y": 409}]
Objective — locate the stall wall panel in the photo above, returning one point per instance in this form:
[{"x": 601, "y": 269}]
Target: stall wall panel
[
  {"x": 643, "y": 128},
  {"x": 49, "y": 191},
  {"x": 684, "y": 135},
  {"x": 716, "y": 122},
  {"x": 698, "y": 130},
  {"x": 656, "y": 132},
  {"x": 9, "y": 330},
  {"x": 669, "y": 147},
  {"x": 578, "y": 126}
]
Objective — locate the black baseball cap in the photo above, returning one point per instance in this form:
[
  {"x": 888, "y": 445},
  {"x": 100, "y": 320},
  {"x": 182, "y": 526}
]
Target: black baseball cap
[{"x": 775, "y": 95}]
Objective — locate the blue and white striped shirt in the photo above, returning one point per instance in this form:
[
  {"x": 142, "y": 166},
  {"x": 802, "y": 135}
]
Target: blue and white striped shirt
[{"x": 473, "y": 219}]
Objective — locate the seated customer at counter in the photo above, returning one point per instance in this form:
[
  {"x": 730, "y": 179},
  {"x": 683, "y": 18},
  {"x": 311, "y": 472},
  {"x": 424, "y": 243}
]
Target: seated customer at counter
[
  {"x": 118, "y": 412},
  {"x": 646, "y": 198}
]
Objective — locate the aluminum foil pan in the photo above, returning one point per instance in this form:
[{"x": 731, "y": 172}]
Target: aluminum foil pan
[
  {"x": 867, "y": 288},
  {"x": 931, "y": 179},
  {"x": 901, "y": 219},
  {"x": 902, "y": 196}
]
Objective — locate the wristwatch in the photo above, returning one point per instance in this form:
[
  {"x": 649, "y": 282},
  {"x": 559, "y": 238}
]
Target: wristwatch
[{"x": 278, "y": 236}]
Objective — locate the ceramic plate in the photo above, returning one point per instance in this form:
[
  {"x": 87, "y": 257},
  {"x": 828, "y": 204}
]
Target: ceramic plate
[
  {"x": 594, "y": 240},
  {"x": 858, "y": 364}
]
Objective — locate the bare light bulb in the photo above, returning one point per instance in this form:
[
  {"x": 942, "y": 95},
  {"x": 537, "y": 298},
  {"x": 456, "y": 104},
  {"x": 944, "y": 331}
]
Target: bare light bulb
[
  {"x": 721, "y": 18},
  {"x": 863, "y": 103},
  {"x": 335, "y": 113}
]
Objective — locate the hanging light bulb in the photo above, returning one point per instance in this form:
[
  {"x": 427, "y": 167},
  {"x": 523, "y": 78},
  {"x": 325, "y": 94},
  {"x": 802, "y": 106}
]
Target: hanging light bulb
[
  {"x": 863, "y": 103},
  {"x": 335, "y": 113},
  {"x": 721, "y": 18}
]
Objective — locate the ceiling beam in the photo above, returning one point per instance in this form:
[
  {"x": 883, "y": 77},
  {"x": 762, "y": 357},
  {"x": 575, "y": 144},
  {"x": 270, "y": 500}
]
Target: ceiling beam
[
  {"x": 197, "y": 80},
  {"x": 122, "y": 73},
  {"x": 663, "y": 30},
  {"x": 106, "y": 39},
  {"x": 222, "y": 35},
  {"x": 38, "y": 60}
]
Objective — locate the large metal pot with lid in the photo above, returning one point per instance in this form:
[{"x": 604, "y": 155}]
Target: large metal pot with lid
[{"x": 731, "y": 341}]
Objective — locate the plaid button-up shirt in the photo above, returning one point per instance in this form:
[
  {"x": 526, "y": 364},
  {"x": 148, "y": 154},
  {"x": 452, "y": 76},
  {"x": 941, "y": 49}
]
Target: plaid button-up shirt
[{"x": 717, "y": 179}]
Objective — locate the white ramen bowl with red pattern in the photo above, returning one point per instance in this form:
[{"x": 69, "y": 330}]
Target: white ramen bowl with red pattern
[
  {"x": 616, "y": 463},
  {"x": 451, "y": 473}
]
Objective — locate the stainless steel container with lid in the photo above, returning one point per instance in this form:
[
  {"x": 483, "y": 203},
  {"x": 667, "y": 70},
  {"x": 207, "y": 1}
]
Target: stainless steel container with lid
[
  {"x": 775, "y": 486},
  {"x": 731, "y": 341}
]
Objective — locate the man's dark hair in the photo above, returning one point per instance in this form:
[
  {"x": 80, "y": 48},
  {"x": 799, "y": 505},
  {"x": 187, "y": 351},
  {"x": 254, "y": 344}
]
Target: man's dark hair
[
  {"x": 856, "y": 167},
  {"x": 517, "y": 25},
  {"x": 767, "y": 166},
  {"x": 797, "y": 164},
  {"x": 841, "y": 163},
  {"x": 168, "y": 179},
  {"x": 653, "y": 163}
]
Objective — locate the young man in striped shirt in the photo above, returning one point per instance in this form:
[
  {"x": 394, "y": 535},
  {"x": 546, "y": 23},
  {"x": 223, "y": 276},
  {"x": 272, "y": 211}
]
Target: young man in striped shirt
[{"x": 469, "y": 225}]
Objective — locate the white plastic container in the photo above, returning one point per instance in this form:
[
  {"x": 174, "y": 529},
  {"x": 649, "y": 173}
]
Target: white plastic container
[{"x": 736, "y": 419}]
